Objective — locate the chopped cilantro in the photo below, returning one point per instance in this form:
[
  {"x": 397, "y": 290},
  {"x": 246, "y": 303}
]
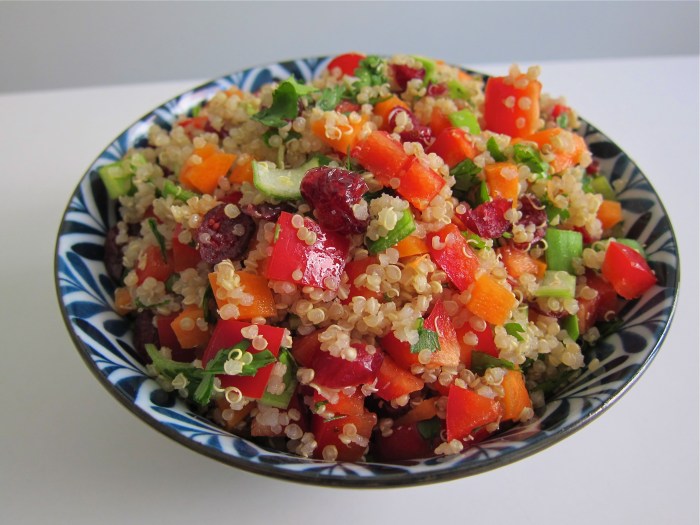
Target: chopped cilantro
[
  {"x": 370, "y": 72},
  {"x": 153, "y": 225},
  {"x": 563, "y": 120},
  {"x": 170, "y": 281},
  {"x": 465, "y": 174},
  {"x": 331, "y": 97},
  {"x": 474, "y": 240},
  {"x": 482, "y": 361},
  {"x": 484, "y": 193},
  {"x": 429, "y": 428},
  {"x": 515, "y": 330},
  {"x": 427, "y": 339},
  {"x": 285, "y": 100},
  {"x": 494, "y": 150},
  {"x": 209, "y": 317},
  {"x": 528, "y": 155}
]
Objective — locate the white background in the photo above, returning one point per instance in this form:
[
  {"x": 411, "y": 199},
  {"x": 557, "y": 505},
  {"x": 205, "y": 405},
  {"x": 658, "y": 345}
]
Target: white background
[{"x": 69, "y": 453}]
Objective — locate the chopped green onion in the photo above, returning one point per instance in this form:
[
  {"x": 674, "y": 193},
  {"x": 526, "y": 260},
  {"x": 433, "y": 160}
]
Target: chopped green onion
[
  {"x": 481, "y": 361},
  {"x": 563, "y": 246},
  {"x": 178, "y": 192},
  {"x": 514, "y": 329},
  {"x": 153, "y": 225},
  {"x": 404, "y": 227},
  {"x": 558, "y": 284},
  {"x": 474, "y": 240},
  {"x": 570, "y": 324},
  {"x": 494, "y": 150},
  {"x": 465, "y": 119},
  {"x": 602, "y": 185}
]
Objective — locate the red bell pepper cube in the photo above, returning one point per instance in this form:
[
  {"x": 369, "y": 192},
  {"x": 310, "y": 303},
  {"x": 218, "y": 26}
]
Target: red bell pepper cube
[
  {"x": 453, "y": 146},
  {"x": 467, "y": 411},
  {"x": 305, "y": 347},
  {"x": 394, "y": 382},
  {"x": 184, "y": 255},
  {"x": 226, "y": 334},
  {"x": 505, "y": 110},
  {"x": 155, "y": 265},
  {"x": 454, "y": 256},
  {"x": 590, "y": 311},
  {"x": 404, "y": 442},
  {"x": 347, "y": 63},
  {"x": 346, "y": 405},
  {"x": 627, "y": 271},
  {"x": 485, "y": 343},
  {"x": 400, "y": 351},
  {"x": 419, "y": 184},
  {"x": 336, "y": 372},
  {"x": 327, "y": 432},
  {"x": 354, "y": 269},
  {"x": 321, "y": 264},
  {"x": 381, "y": 155}
]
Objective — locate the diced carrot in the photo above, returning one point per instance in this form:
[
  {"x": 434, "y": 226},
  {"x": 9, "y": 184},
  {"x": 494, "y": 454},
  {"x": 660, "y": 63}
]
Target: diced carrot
[
  {"x": 411, "y": 245},
  {"x": 394, "y": 382},
  {"x": 609, "y": 213},
  {"x": 424, "y": 410},
  {"x": 354, "y": 269},
  {"x": 503, "y": 181},
  {"x": 385, "y": 107},
  {"x": 350, "y": 134},
  {"x": 512, "y": 105},
  {"x": 122, "y": 301},
  {"x": 419, "y": 184},
  {"x": 439, "y": 121},
  {"x": 567, "y": 147},
  {"x": 515, "y": 395},
  {"x": 242, "y": 170},
  {"x": 467, "y": 411},
  {"x": 490, "y": 300},
  {"x": 234, "y": 90},
  {"x": 188, "y": 334},
  {"x": 152, "y": 264},
  {"x": 263, "y": 304},
  {"x": 519, "y": 262},
  {"x": 204, "y": 175},
  {"x": 238, "y": 415},
  {"x": 305, "y": 347}
]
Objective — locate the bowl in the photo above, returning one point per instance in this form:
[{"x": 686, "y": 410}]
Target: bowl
[{"x": 103, "y": 338}]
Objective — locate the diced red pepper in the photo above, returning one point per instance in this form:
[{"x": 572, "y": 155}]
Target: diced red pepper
[
  {"x": 336, "y": 372},
  {"x": 467, "y": 411},
  {"x": 439, "y": 321},
  {"x": 347, "y": 63},
  {"x": 381, "y": 155},
  {"x": 305, "y": 347},
  {"x": 453, "y": 146},
  {"x": 184, "y": 255},
  {"x": 228, "y": 333},
  {"x": 404, "y": 442},
  {"x": 400, "y": 351},
  {"x": 167, "y": 337},
  {"x": 439, "y": 122},
  {"x": 505, "y": 110},
  {"x": 155, "y": 266},
  {"x": 590, "y": 311},
  {"x": 627, "y": 271},
  {"x": 394, "y": 382},
  {"x": 327, "y": 432},
  {"x": 354, "y": 269},
  {"x": 353, "y": 405},
  {"x": 419, "y": 184},
  {"x": 321, "y": 264},
  {"x": 456, "y": 258}
]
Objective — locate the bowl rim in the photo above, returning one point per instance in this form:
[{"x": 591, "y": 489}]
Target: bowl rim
[{"x": 386, "y": 480}]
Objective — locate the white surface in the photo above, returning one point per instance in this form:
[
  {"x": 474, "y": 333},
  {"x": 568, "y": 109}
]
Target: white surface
[{"x": 70, "y": 453}]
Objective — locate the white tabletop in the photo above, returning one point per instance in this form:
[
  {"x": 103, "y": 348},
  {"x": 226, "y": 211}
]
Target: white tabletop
[{"x": 69, "y": 453}]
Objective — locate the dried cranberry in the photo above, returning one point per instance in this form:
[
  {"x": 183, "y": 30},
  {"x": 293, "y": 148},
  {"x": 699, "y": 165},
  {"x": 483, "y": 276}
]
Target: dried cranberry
[
  {"x": 533, "y": 212},
  {"x": 437, "y": 90},
  {"x": 222, "y": 133},
  {"x": 336, "y": 372},
  {"x": 220, "y": 237},
  {"x": 593, "y": 168},
  {"x": 145, "y": 333},
  {"x": 345, "y": 106},
  {"x": 332, "y": 193},
  {"x": 418, "y": 133},
  {"x": 113, "y": 256},
  {"x": 488, "y": 219},
  {"x": 266, "y": 211},
  {"x": 403, "y": 73}
]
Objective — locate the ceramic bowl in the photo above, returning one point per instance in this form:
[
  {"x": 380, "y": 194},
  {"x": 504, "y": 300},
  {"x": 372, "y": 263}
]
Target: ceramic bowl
[{"x": 104, "y": 340}]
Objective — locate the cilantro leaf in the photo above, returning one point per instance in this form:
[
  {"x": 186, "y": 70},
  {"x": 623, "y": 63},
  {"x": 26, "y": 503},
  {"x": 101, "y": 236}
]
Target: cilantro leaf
[
  {"x": 427, "y": 339},
  {"x": 429, "y": 428},
  {"x": 481, "y": 361},
  {"x": 515, "y": 330},
  {"x": 369, "y": 72},
  {"x": 563, "y": 120},
  {"x": 285, "y": 100},
  {"x": 494, "y": 150},
  {"x": 529, "y": 156},
  {"x": 331, "y": 97},
  {"x": 465, "y": 174}
]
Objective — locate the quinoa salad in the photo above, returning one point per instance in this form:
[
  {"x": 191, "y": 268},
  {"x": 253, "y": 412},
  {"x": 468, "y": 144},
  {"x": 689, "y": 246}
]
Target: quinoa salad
[{"x": 393, "y": 261}]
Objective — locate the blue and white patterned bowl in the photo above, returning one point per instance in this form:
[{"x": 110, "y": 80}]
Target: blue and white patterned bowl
[{"x": 104, "y": 340}]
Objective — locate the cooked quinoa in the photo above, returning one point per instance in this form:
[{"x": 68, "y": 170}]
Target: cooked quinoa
[{"x": 395, "y": 260}]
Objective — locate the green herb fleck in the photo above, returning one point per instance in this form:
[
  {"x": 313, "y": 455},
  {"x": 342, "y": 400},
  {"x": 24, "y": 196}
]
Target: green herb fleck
[
  {"x": 427, "y": 339},
  {"x": 481, "y": 361},
  {"x": 563, "y": 120},
  {"x": 430, "y": 428},
  {"x": 153, "y": 225},
  {"x": 331, "y": 97},
  {"x": 170, "y": 281},
  {"x": 494, "y": 150},
  {"x": 515, "y": 330},
  {"x": 465, "y": 174},
  {"x": 528, "y": 155},
  {"x": 284, "y": 106},
  {"x": 178, "y": 192},
  {"x": 474, "y": 240}
]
